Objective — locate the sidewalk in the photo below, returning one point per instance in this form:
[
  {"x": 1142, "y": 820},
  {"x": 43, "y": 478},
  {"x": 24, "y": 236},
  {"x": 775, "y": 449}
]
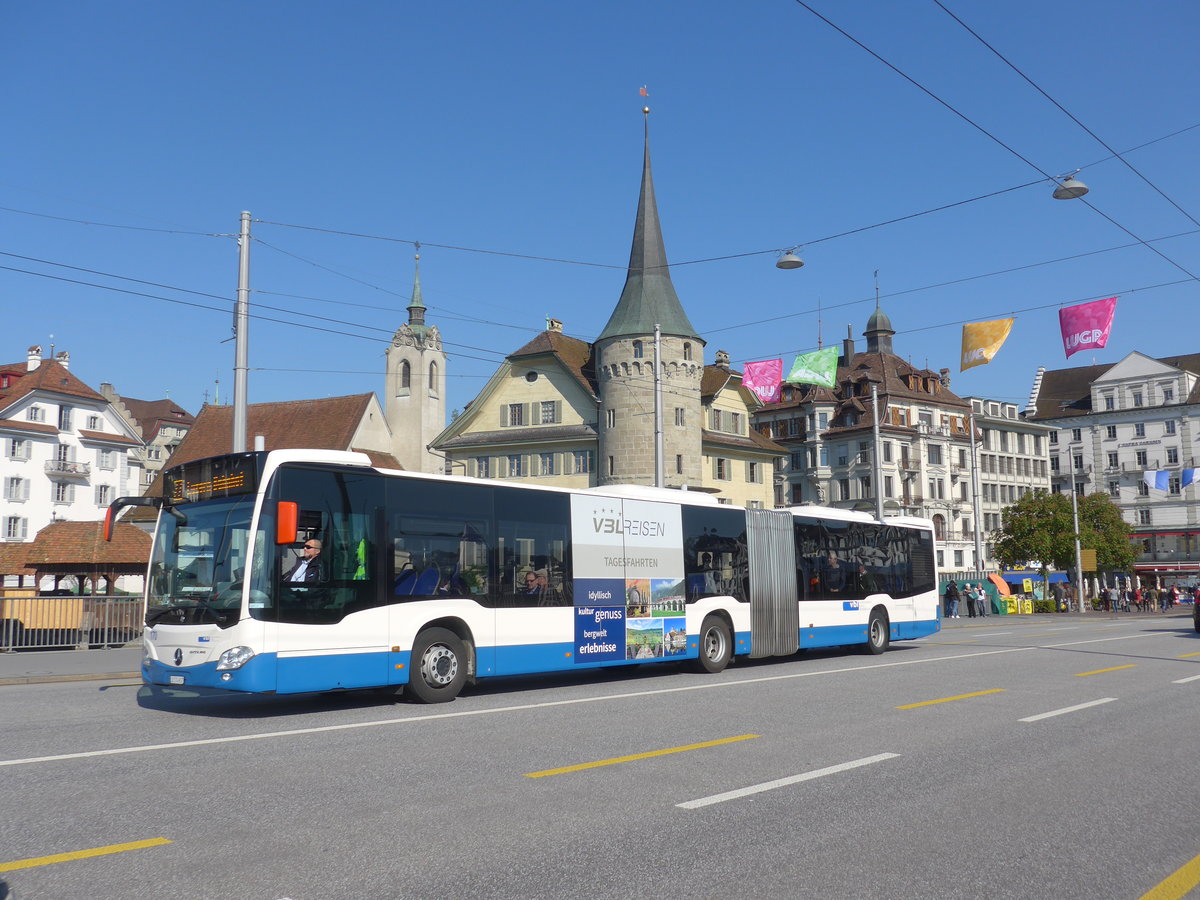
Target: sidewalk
[{"x": 43, "y": 666}]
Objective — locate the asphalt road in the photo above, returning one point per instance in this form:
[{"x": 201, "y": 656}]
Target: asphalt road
[{"x": 1005, "y": 757}]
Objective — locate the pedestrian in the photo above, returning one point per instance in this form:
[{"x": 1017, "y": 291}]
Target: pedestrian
[
  {"x": 1139, "y": 600},
  {"x": 1151, "y": 597},
  {"x": 1112, "y": 599},
  {"x": 951, "y": 596},
  {"x": 971, "y": 601},
  {"x": 982, "y": 600}
]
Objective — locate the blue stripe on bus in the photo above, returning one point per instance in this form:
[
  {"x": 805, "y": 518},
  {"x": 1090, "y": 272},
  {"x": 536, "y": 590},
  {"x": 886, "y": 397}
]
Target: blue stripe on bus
[{"x": 297, "y": 674}]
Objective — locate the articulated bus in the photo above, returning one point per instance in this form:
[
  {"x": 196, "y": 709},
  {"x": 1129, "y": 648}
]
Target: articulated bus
[{"x": 424, "y": 583}]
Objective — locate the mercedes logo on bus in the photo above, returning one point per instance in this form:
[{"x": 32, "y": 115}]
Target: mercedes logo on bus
[{"x": 178, "y": 657}]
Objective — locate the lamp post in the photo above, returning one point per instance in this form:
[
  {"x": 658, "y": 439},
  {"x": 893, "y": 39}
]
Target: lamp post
[{"x": 1078, "y": 548}]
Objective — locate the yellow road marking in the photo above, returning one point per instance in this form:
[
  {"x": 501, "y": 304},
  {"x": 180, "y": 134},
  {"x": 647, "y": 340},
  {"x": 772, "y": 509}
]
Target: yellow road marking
[
  {"x": 1102, "y": 671},
  {"x": 634, "y": 756},
  {"x": 1186, "y": 655},
  {"x": 80, "y": 854},
  {"x": 948, "y": 699},
  {"x": 1177, "y": 884}
]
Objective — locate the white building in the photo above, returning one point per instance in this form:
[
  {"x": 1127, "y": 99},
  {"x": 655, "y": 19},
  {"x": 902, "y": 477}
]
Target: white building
[
  {"x": 1114, "y": 423},
  {"x": 66, "y": 452}
]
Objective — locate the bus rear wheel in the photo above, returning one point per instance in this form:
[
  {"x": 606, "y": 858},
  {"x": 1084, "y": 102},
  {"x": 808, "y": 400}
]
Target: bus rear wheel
[
  {"x": 878, "y": 633},
  {"x": 716, "y": 645},
  {"x": 439, "y": 666}
]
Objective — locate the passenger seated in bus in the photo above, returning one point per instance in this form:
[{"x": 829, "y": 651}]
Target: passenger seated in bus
[
  {"x": 867, "y": 582},
  {"x": 535, "y": 584},
  {"x": 834, "y": 574}
]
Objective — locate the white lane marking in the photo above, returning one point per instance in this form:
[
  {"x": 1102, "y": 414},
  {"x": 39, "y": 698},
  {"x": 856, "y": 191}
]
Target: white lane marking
[
  {"x": 784, "y": 782},
  {"x": 1186, "y": 680},
  {"x": 1067, "y": 709},
  {"x": 990, "y": 633},
  {"x": 705, "y": 686}
]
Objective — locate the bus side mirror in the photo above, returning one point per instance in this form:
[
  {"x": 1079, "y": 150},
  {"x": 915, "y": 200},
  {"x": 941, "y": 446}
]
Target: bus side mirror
[
  {"x": 110, "y": 514},
  {"x": 287, "y": 516}
]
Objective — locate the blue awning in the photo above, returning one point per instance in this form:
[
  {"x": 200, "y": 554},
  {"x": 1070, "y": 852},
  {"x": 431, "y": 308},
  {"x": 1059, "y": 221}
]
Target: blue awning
[{"x": 1018, "y": 577}]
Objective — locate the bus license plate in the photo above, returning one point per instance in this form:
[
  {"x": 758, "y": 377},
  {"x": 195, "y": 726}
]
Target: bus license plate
[{"x": 176, "y": 679}]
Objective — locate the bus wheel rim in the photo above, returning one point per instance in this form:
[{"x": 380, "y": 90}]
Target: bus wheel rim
[{"x": 439, "y": 666}]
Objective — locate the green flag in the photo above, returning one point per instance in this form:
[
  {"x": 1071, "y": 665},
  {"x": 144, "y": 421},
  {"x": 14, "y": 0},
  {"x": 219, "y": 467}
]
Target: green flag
[{"x": 818, "y": 367}]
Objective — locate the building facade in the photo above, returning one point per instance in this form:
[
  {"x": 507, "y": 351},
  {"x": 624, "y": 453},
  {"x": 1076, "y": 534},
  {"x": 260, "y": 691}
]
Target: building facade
[
  {"x": 926, "y": 461},
  {"x": 67, "y": 452},
  {"x": 1131, "y": 430},
  {"x": 161, "y": 424}
]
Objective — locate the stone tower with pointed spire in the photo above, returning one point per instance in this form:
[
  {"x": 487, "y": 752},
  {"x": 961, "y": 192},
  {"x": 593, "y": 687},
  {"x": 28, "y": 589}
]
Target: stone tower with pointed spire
[
  {"x": 624, "y": 354},
  {"x": 415, "y": 386}
]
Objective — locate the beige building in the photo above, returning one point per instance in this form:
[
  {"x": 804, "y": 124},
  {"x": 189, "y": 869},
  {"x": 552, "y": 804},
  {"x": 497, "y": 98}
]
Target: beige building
[{"x": 567, "y": 412}]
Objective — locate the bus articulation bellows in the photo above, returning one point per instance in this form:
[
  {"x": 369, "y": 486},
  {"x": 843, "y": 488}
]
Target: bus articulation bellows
[{"x": 424, "y": 583}]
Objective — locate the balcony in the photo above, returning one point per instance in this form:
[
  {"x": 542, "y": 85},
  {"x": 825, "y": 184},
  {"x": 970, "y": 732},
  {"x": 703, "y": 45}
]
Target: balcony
[{"x": 68, "y": 468}]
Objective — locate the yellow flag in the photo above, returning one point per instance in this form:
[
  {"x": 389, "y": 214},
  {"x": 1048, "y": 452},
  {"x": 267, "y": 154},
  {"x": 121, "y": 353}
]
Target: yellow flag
[{"x": 983, "y": 340}]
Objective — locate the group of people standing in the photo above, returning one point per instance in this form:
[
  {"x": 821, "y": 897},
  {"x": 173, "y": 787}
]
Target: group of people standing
[
  {"x": 1115, "y": 599},
  {"x": 974, "y": 596}
]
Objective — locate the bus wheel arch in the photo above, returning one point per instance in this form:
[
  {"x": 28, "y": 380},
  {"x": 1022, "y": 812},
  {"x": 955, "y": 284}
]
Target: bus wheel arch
[
  {"x": 715, "y": 644},
  {"x": 879, "y": 631},
  {"x": 442, "y": 661}
]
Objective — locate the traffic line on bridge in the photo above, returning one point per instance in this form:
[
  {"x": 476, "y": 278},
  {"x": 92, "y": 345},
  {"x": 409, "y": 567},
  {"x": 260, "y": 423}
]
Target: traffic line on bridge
[
  {"x": 1177, "y": 884},
  {"x": 1102, "y": 671},
  {"x": 1067, "y": 709},
  {"x": 36, "y": 861},
  {"x": 955, "y": 697},
  {"x": 1186, "y": 680},
  {"x": 579, "y": 767},
  {"x": 785, "y": 782},
  {"x": 1188, "y": 655}
]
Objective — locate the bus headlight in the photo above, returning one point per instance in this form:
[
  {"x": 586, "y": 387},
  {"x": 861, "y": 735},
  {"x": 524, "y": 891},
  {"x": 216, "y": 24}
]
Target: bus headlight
[{"x": 234, "y": 658}]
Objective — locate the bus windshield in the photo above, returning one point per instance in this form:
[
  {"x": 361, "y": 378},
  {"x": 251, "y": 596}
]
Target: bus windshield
[{"x": 198, "y": 564}]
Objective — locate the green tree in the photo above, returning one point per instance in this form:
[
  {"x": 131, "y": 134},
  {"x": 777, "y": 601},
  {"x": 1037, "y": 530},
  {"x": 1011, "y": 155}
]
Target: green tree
[{"x": 1038, "y": 528}]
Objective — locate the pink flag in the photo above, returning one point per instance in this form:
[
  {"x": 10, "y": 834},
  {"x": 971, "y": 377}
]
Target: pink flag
[
  {"x": 1086, "y": 326},
  {"x": 763, "y": 379}
]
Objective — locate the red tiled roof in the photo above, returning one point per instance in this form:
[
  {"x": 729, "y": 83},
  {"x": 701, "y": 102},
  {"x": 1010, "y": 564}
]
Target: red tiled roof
[
  {"x": 82, "y": 543},
  {"x": 574, "y": 355},
  {"x": 110, "y": 438},
  {"x": 151, "y": 415},
  {"x": 51, "y": 377},
  {"x": 35, "y": 427}
]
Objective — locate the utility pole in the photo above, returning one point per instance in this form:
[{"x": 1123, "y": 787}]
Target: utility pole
[
  {"x": 1078, "y": 546},
  {"x": 241, "y": 338},
  {"x": 975, "y": 498},
  {"x": 878, "y": 467}
]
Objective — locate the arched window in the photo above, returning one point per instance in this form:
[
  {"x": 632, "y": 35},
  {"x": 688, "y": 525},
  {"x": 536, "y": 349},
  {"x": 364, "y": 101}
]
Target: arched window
[
  {"x": 638, "y": 351},
  {"x": 939, "y": 527},
  {"x": 687, "y": 350},
  {"x": 433, "y": 379},
  {"x": 405, "y": 377}
]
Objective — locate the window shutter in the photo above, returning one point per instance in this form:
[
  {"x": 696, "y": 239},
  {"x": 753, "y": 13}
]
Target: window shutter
[
  {"x": 25, "y": 482},
  {"x": 503, "y": 415},
  {"x": 535, "y": 413},
  {"x": 557, "y": 412}
]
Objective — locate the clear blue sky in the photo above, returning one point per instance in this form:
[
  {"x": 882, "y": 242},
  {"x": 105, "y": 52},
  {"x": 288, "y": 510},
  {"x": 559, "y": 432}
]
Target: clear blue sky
[{"x": 517, "y": 128}]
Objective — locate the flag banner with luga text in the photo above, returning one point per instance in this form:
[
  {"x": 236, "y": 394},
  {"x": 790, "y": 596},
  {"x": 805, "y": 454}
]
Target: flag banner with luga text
[
  {"x": 1159, "y": 481},
  {"x": 818, "y": 367},
  {"x": 763, "y": 379},
  {"x": 1086, "y": 326},
  {"x": 983, "y": 340}
]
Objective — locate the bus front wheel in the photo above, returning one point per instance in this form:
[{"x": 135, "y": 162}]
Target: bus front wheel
[
  {"x": 439, "y": 666},
  {"x": 878, "y": 633},
  {"x": 716, "y": 645}
]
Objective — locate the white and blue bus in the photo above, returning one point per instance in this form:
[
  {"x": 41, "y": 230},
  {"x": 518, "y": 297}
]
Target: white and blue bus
[{"x": 425, "y": 583}]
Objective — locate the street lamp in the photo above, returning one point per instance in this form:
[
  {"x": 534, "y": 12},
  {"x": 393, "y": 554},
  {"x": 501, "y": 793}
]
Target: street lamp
[
  {"x": 790, "y": 260},
  {"x": 1071, "y": 187}
]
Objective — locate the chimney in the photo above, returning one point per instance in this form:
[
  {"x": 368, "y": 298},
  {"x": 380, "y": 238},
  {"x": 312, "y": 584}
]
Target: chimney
[
  {"x": 944, "y": 378},
  {"x": 63, "y": 358},
  {"x": 847, "y": 347},
  {"x": 722, "y": 360},
  {"x": 554, "y": 325},
  {"x": 35, "y": 358}
]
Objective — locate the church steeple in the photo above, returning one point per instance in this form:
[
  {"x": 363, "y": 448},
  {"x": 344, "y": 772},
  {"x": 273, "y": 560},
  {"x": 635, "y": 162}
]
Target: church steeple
[
  {"x": 416, "y": 309},
  {"x": 649, "y": 297}
]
